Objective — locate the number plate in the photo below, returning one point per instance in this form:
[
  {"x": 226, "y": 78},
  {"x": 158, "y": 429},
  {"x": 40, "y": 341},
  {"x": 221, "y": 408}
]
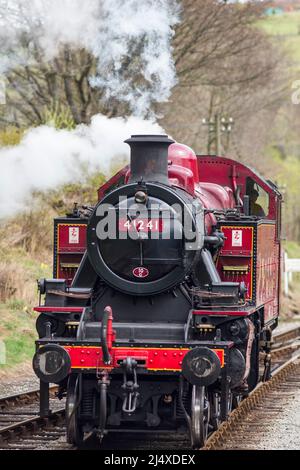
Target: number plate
[{"x": 141, "y": 225}]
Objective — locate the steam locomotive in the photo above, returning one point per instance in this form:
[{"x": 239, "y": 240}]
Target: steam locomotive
[{"x": 163, "y": 295}]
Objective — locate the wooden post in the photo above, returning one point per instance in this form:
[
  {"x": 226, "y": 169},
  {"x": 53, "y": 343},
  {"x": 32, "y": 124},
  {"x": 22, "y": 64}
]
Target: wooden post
[{"x": 44, "y": 399}]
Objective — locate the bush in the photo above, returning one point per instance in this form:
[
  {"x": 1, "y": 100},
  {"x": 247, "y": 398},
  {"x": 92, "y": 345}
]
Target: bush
[
  {"x": 59, "y": 116},
  {"x": 11, "y": 136},
  {"x": 10, "y": 275}
]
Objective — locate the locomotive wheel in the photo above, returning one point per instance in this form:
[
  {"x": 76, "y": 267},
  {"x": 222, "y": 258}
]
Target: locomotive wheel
[
  {"x": 74, "y": 430},
  {"x": 216, "y": 410},
  {"x": 215, "y": 403},
  {"x": 230, "y": 402},
  {"x": 236, "y": 400},
  {"x": 200, "y": 414}
]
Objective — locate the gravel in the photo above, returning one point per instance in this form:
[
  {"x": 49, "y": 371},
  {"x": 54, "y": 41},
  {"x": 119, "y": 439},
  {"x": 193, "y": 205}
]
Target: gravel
[
  {"x": 284, "y": 433},
  {"x": 13, "y": 385}
]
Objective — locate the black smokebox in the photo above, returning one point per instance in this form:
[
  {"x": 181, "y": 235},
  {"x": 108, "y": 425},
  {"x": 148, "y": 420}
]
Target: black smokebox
[{"x": 149, "y": 158}]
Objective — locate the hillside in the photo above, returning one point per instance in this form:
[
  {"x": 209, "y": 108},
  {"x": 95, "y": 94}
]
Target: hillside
[
  {"x": 285, "y": 30},
  {"x": 284, "y": 145}
]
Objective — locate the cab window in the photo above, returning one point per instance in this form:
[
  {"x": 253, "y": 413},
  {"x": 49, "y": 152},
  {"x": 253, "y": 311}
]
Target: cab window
[{"x": 258, "y": 197}]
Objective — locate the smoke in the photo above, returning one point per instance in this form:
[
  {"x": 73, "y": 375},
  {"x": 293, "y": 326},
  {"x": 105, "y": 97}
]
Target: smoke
[
  {"x": 131, "y": 40},
  {"x": 146, "y": 28},
  {"x": 47, "y": 157}
]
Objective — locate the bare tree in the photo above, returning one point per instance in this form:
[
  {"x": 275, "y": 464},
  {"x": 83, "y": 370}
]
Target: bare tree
[
  {"x": 227, "y": 66},
  {"x": 33, "y": 91}
]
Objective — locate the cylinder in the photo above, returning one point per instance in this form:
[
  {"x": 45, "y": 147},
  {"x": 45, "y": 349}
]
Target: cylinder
[{"x": 149, "y": 158}]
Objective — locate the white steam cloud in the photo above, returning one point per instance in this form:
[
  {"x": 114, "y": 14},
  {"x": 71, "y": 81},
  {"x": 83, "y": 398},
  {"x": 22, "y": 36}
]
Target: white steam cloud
[
  {"x": 48, "y": 157},
  {"x": 144, "y": 25},
  {"x": 131, "y": 40}
]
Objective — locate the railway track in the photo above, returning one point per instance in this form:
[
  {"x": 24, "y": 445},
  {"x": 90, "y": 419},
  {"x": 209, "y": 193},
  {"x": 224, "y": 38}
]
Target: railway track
[
  {"x": 256, "y": 413},
  {"x": 284, "y": 345},
  {"x": 289, "y": 335},
  {"x": 248, "y": 423},
  {"x": 21, "y": 399},
  {"x": 20, "y": 425},
  {"x": 22, "y": 428}
]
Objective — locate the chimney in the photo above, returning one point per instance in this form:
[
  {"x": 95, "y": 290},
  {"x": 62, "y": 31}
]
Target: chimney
[{"x": 149, "y": 158}]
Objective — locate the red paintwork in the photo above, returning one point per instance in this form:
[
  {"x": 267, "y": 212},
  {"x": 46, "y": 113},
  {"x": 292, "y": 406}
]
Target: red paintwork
[
  {"x": 214, "y": 196},
  {"x": 230, "y": 173},
  {"x": 182, "y": 178},
  {"x": 231, "y": 313},
  {"x": 114, "y": 181},
  {"x": 183, "y": 157},
  {"x": 267, "y": 270},
  {"x": 44, "y": 309},
  {"x": 183, "y": 167},
  {"x": 167, "y": 359},
  {"x": 65, "y": 237},
  {"x": 235, "y": 256},
  {"x": 67, "y": 252}
]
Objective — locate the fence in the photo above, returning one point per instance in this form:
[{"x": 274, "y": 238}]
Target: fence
[{"x": 291, "y": 265}]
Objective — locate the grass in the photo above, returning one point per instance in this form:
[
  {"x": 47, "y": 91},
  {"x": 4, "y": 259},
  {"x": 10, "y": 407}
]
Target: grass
[
  {"x": 19, "y": 270},
  {"x": 17, "y": 333},
  {"x": 292, "y": 249},
  {"x": 286, "y": 32},
  {"x": 282, "y": 25},
  {"x": 18, "y": 275},
  {"x": 292, "y": 47},
  {"x": 17, "y": 319},
  {"x": 290, "y": 304},
  {"x": 11, "y": 136}
]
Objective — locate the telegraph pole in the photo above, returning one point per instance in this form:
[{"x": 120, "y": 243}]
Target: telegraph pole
[
  {"x": 217, "y": 126},
  {"x": 218, "y": 134}
]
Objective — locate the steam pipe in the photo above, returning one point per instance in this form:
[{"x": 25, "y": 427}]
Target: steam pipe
[
  {"x": 214, "y": 240},
  {"x": 103, "y": 385},
  {"x": 210, "y": 266},
  {"x": 106, "y": 334},
  {"x": 246, "y": 205}
]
